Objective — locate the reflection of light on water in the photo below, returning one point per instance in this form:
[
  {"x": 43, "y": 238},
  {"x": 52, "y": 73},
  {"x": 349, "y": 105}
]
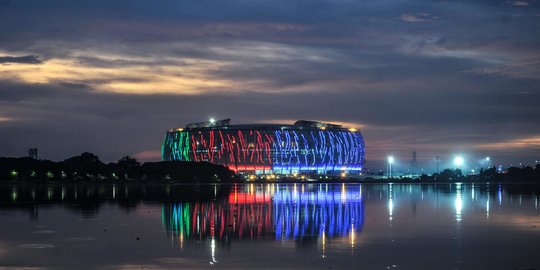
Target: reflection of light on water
[
  {"x": 181, "y": 239},
  {"x": 352, "y": 237},
  {"x": 114, "y": 191},
  {"x": 297, "y": 215},
  {"x": 487, "y": 208},
  {"x": 458, "y": 202},
  {"x": 198, "y": 224},
  {"x": 14, "y": 194},
  {"x": 213, "y": 250},
  {"x": 459, "y": 205},
  {"x": 487, "y": 202},
  {"x": 390, "y": 207},
  {"x": 323, "y": 244},
  {"x": 499, "y": 195},
  {"x": 472, "y": 192},
  {"x": 390, "y": 202}
]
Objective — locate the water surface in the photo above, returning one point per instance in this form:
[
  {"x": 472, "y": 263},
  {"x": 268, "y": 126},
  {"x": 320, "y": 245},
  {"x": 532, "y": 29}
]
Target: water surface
[{"x": 270, "y": 226}]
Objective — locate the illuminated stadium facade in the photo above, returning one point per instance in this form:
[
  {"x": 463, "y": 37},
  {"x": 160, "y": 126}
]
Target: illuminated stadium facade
[{"x": 304, "y": 147}]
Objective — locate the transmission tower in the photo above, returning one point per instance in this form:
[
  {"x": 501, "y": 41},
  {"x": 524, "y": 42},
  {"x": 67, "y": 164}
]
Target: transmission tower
[{"x": 414, "y": 163}]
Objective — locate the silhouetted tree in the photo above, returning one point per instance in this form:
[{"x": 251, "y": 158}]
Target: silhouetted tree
[
  {"x": 84, "y": 166},
  {"x": 450, "y": 175},
  {"x": 128, "y": 162}
]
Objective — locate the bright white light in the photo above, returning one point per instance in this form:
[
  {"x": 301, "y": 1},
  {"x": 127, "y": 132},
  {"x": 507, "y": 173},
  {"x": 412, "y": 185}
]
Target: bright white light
[
  {"x": 459, "y": 206},
  {"x": 212, "y": 120},
  {"x": 459, "y": 161},
  {"x": 390, "y": 202},
  {"x": 390, "y": 159},
  {"x": 487, "y": 158},
  {"x": 213, "y": 251},
  {"x": 390, "y": 208},
  {"x": 458, "y": 203}
]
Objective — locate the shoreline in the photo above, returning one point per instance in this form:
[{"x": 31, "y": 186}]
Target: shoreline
[{"x": 341, "y": 181}]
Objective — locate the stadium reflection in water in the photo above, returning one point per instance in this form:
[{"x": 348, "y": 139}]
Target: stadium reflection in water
[{"x": 284, "y": 212}]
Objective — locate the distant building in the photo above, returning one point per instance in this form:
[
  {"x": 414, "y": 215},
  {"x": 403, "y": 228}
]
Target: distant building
[
  {"x": 304, "y": 147},
  {"x": 33, "y": 153}
]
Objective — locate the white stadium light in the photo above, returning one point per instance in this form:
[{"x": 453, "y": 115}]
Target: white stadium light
[{"x": 459, "y": 161}]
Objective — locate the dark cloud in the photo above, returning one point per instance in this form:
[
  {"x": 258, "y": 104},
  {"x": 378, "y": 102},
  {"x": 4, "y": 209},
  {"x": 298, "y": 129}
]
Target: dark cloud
[
  {"x": 27, "y": 59},
  {"x": 14, "y": 92}
]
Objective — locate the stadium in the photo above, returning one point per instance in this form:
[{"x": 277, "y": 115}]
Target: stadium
[{"x": 304, "y": 147}]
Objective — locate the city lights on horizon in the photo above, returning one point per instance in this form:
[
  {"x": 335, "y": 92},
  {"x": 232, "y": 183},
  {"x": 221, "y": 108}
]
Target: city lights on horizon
[{"x": 467, "y": 162}]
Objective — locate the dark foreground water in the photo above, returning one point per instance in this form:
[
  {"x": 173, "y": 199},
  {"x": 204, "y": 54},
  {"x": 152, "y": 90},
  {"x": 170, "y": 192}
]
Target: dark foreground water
[{"x": 270, "y": 226}]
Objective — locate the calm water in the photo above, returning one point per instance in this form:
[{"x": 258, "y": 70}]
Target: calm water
[{"x": 270, "y": 226}]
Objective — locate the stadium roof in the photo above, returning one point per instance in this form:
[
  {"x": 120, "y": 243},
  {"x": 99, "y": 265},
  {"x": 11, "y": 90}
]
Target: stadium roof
[{"x": 225, "y": 124}]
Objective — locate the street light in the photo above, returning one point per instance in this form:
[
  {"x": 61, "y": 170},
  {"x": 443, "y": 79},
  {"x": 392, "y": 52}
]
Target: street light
[{"x": 390, "y": 162}]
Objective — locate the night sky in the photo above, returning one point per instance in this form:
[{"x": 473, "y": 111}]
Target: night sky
[{"x": 110, "y": 77}]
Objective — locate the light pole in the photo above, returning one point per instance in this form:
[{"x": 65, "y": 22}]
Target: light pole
[
  {"x": 390, "y": 161},
  {"x": 437, "y": 161}
]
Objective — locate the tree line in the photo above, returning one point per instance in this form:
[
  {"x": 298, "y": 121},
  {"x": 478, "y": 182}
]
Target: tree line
[
  {"x": 88, "y": 167},
  {"x": 512, "y": 174}
]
